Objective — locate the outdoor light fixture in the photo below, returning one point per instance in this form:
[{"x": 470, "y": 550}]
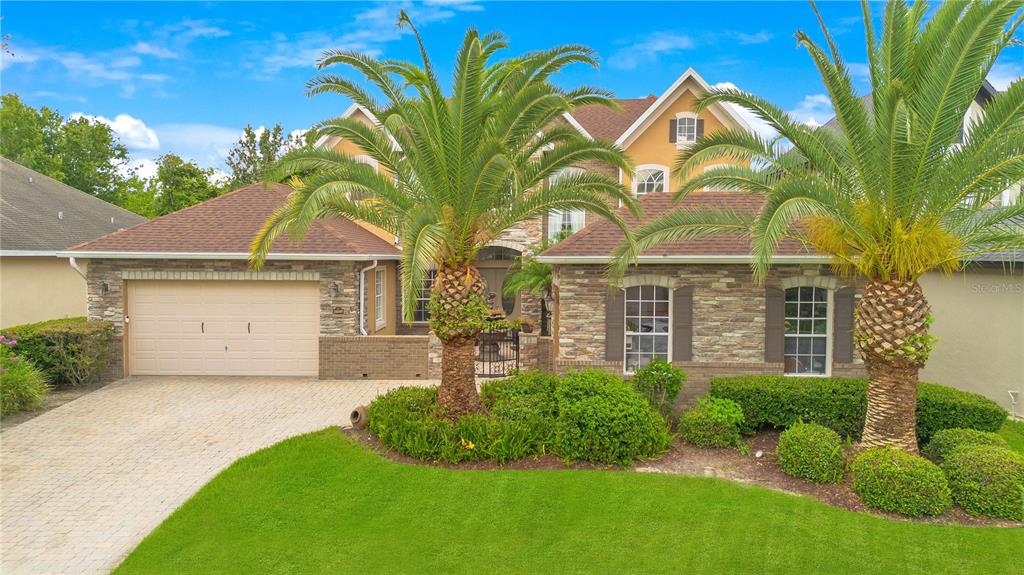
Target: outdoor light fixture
[
  {"x": 333, "y": 288},
  {"x": 104, "y": 288}
]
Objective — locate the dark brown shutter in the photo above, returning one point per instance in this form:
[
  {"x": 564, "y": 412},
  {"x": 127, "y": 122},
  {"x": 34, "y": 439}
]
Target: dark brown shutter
[
  {"x": 614, "y": 325},
  {"x": 672, "y": 131},
  {"x": 700, "y": 128},
  {"x": 842, "y": 337},
  {"x": 682, "y": 324},
  {"x": 774, "y": 324}
]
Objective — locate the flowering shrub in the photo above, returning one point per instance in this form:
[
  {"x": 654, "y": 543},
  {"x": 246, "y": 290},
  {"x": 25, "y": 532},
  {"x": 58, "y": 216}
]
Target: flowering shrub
[{"x": 22, "y": 384}]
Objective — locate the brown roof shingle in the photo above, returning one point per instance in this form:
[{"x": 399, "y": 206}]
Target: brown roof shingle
[
  {"x": 228, "y": 223},
  {"x": 602, "y": 237},
  {"x": 604, "y": 123}
]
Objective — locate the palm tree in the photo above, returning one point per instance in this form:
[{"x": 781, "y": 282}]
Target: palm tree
[
  {"x": 890, "y": 192},
  {"x": 458, "y": 170}
]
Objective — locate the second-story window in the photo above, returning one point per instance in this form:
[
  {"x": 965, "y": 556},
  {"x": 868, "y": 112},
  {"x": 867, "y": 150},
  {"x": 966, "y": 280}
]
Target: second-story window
[
  {"x": 686, "y": 130},
  {"x": 564, "y": 222},
  {"x": 650, "y": 179}
]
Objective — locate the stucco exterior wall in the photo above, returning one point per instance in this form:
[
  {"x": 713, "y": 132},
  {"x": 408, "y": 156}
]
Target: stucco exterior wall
[
  {"x": 979, "y": 320},
  {"x": 39, "y": 288}
]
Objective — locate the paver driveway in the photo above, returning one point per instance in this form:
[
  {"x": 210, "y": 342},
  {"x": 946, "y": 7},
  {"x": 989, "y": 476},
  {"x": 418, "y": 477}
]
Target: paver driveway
[{"x": 82, "y": 484}]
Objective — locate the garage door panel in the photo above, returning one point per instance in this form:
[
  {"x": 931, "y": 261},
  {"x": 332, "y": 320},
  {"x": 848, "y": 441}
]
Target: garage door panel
[{"x": 223, "y": 328}]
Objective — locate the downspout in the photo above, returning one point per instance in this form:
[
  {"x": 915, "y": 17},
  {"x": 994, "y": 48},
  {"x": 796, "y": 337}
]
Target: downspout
[
  {"x": 362, "y": 297},
  {"x": 74, "y": 266}
]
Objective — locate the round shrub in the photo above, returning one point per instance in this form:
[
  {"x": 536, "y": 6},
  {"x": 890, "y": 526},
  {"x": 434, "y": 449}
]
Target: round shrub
[
  {"x": 22, "y": 384},
  {"x": 660, "y": 384},
  {"x": 812, "y": 452},
  {"x": 987, "y": 480},
  {"x": 889, "y": 479},
  {"x": 603, "y": 420},
  {"x": 713, "y": 422},
  {"x": 947, "y": 441}
]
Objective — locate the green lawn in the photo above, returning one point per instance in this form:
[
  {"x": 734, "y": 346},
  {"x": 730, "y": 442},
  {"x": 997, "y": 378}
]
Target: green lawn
[
  {"x": 1013, "y": 433},
  {"x": 320, "y": 503}
]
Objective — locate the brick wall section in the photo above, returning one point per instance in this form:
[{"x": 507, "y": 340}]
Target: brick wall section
[
  {"x": 339, "y": 286},
  {"x": 113, "y": 369},
  {"x": 376, "y": 357}
]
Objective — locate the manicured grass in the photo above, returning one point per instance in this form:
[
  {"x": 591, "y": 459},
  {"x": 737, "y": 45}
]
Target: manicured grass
[
  {"x": 320, "y": 503},
  {"x": 1013, "y": 433}
]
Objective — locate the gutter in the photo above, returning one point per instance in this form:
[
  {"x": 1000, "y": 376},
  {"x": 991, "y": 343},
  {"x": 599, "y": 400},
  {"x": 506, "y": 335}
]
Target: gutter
[
  {"x": 651, "y": 260},
  {"x": 362, "y": 297},
  {"x": 222, "y": 256}
]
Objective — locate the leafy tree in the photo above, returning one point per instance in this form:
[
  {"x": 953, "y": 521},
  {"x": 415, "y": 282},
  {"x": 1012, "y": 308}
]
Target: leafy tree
[
  {"x": 470, "y": 165},
  {"x": 136, "y": 196},
  {"x": 891, "y": 193},
  {"x": 179, "y": 184},
  {"x": 29, "y": 136},
  {"x": 258, "y": 149}
]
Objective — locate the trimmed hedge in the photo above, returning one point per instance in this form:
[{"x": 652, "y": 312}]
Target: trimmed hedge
[
  {"x": 592, "y": 416},
  {"x": 70, "y": 351},
  {"x": 659, "y": 382},
  {"x": 987, "y": 480},
  {"x": 840, "y": 404},
  {"x": 602, "y": 419},
  {"x": 713, "y": 422},
  {"x": 889, "y": 479},
  {"x": 812, "y": 452},
  {"x": 947, "y": 441}
]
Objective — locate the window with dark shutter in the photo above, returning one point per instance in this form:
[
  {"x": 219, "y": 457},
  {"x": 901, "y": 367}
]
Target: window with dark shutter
[
  {"x": 614, "y": 325},
  {"x": 682, "y": 324},
  {"x": 842, "y": 338},
  {"x": 672, "y": 130}
]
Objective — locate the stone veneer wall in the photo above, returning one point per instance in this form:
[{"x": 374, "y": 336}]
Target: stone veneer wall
[
  {"x": 373, "y": 357},
  {"x": 728, "y": 319}
]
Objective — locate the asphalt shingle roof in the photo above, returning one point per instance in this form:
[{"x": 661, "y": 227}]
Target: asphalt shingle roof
[
  {"x": 38, "y": 213},
  {"x": 228, "y": 223},
  {"x": 604, "y": 123}
]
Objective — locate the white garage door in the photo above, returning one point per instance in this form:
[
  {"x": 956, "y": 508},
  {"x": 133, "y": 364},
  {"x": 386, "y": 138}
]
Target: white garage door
[{"x": 223, "y": 327}]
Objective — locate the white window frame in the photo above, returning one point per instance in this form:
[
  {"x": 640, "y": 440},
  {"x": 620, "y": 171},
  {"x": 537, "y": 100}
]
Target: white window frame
[
  {"x": 626, "y": 333},
  {"x": 557, "y": 218},
  {"x": 829, "y": 318},
  {"x": 379, "y": 290},
  {"x": 429, "y": 276},
  {"x": 650, "y": 167},
  {"x": 682, "y": 118},
  {"x": 364, "y": 159}
]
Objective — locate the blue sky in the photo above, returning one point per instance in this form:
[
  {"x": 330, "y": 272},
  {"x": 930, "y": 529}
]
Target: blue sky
[{"x": 186, "y": 77}]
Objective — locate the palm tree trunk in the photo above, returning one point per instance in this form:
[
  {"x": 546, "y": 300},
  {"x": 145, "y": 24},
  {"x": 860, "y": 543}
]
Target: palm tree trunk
[
  {"x": 459, "y": 296},
  {"x": 891, "y": 333}
]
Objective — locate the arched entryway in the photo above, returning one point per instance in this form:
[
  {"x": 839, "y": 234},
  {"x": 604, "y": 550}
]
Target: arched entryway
[{"x": 493, "y": 263}]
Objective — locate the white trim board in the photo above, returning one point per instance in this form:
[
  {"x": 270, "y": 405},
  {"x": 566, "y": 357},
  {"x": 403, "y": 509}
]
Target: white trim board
[{"x": 223, "y": 256}]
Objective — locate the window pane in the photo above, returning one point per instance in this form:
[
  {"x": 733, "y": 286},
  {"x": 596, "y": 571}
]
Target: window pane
[
  {"x": 646, "y": 344},
  {"x": 805, "y": 310},
  {"x": 818, "y": 364},
  {"x": 790, "y": 364},
  {"x": 790, "y": 326},
  {"x": 661, "y": 325},
  {"x": 633, "y": 293},
  {"x": 647, "y": 292},
  {"x": 820, "y": 294},
  {"x": 790, "y": 346},
  {"x": 804, "y": 326},
  {"x": 819, "y": 346},
  {"x": 661, "y": 346},
  {"x": 820, "y": 309},
  {"x": 793, "y": 294},
  {"x": 632, "y": 324},
  {"x": 806, "y": 294},
  {"x": 632, "y": 308},
  {"x": 820, "y": 326},
  {"x": 661, "y": 293},
  {"x": 791, "y": 309}
]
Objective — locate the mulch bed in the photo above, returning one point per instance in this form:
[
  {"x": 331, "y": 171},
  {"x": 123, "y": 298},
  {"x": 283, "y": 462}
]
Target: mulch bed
[{"x": 728, "y": 464}]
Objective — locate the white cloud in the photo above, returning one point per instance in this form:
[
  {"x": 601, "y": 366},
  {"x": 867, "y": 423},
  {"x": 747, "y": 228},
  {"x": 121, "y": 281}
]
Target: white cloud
[
  {"x": 649, "y": 49},
  {"x": 859, "y": 71},
  {"x": 143, "y": 168},
  {"x": 755, "y": 38},
  {"x": 205, "y": 144},
  {"x": 131, "y": 131},
  {"x": 369, "y": 31},
  {"x": 153, "y": 50},
  {"x": 1002, "y": 75},
  {"x": 813, "y": 110}
]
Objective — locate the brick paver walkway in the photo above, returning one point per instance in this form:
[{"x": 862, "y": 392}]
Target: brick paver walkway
[{"x": 81, "y": 485}]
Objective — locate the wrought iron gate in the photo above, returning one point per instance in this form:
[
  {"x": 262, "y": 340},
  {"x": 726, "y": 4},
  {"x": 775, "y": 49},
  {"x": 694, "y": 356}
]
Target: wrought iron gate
[{"x": 497, "y": 352}]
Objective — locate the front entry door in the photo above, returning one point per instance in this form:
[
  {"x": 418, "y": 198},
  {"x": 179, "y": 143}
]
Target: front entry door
[{"x": 495, "y": 280}]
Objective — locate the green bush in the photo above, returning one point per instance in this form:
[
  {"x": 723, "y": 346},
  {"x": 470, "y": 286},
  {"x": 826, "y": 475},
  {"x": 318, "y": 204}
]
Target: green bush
[
  {"x": 812, "y": 452},
  {"x": 840, "y": 404},
  {"x": 406, "y": 420},
  {"x": 537, "y": 385},
  {"x": 660, "y": 384},
  {"x": 987, "y": 480},
  {"x": 71, "y": 351},
  {"x": 713, "y": 422},
  {"x": 22, "y": 384},
  {"x": 947, "y": 441},
  {"x": 603, "y": 420},
  {"x": 889, "y": 479}
]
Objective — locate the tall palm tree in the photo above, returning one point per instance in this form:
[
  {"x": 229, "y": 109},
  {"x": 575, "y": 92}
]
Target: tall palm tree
[
  {"x": 458, "y": 169},
  {"x": 891, "y": 192}
]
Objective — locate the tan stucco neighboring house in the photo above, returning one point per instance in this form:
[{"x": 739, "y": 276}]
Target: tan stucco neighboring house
[{"x": 39, "y": 217}]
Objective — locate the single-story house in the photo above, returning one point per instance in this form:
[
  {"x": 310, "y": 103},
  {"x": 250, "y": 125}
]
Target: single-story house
[
  {"x": 184, "y": 300},
  {"x": 39, "y": 217}
]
